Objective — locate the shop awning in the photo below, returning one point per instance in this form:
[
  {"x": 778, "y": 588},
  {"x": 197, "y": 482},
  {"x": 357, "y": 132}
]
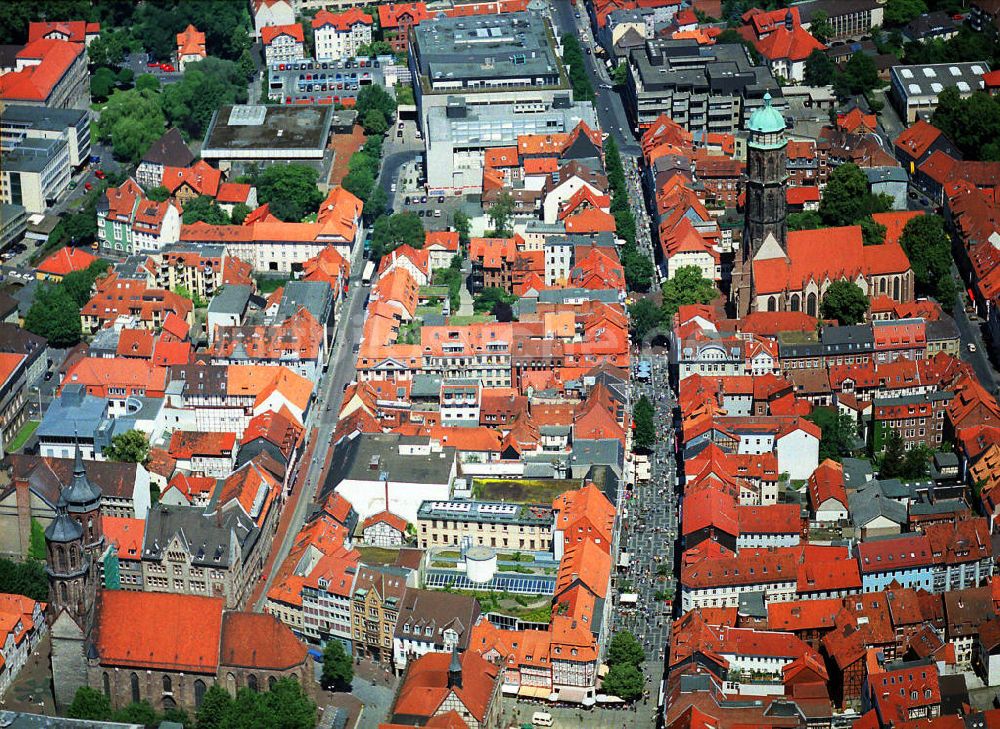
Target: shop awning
[{"x": 533, "y": 692}]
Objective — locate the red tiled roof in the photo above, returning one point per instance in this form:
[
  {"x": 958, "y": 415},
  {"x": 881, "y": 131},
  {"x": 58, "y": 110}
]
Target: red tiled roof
[
  {"x": 160, "y": 631},
  {"x": 392, "y": 15},
  {"x": 827, "y": 482},
  {"x": 259, "y": 641},
  {"x": 185, "y": 444},
  {"x": 269, "y": 32},
  {"x": 917, "y": 139},
  {"x": 342, "y": 22},
  {"x": 425, "y": 687},
  {"x": 66, "y": 260},
  {"x": 795, "y": 44},
  {"x": 191, "y": 42},
  {"x": 36, "y": 82},
  {"x": 76, "y": 30},
  {"x": 386, "y": 517}
]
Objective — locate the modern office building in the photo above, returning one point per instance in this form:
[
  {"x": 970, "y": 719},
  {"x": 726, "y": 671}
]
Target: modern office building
[
  {"x": 13, "y": 223},
  {"x": 18, "y": 123},
  {"x": 489, "y": 59},
  {"x": 459, "y": 133},
  {"x": 914, "y": 89},
  {"x": 34, "y": 174},
  {"x": 707, "y": 89},
  {"x": 264, "y": 134},
  {"x": 524, "y": 527}
]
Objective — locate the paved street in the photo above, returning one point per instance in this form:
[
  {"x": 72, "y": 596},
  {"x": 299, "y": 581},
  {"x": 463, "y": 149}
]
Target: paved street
[
  {"x": 326, "y": 407},
  {"x": 608, "y": 103},
  {"x": 649, "y": 527}
]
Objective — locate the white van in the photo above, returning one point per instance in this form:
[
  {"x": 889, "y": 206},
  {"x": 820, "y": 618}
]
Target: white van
[{"x": 541, "y": 718}]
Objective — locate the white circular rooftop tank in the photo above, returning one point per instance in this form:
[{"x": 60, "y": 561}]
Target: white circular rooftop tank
[{"x": 480, "y": 564}]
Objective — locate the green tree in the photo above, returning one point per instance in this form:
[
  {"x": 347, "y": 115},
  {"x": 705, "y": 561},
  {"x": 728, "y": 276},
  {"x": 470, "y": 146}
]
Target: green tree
[
  {"x": 240, "y": 212},
  {"x": 289, "y": 701},
  {"x": 55, "y": 316},
  {"x": 500, "y": 213},
  {"x": 929, "y": 250},
  {"x": 36, "y": 550},
  {"x": 80, "y": 284},
  {"x": 404, "y": 95},
  {"x": 844, "y": 196},
  {"x": 687, "y": 286},
  {"x": 376, "y": 203},
  {"x": 644, "y": 316},
  {"x": 820, "y": 27},
  {"x": 132, "y": 446},
  {"x": 893, "y": 456},
  {"x": 624, "y": 647},
  {"x": 624, "y": 681},
  {"x": 375, "y": 97},
  {"x": 872, "y": 233},
  {"x": 204, "y": 208},
  {"x": 819, "y": 69},
  {"x": 583, "y": 90},
  {"x": 215, "y": 707},
  {"x": 140, "y": 712},
  {"x": 839, "y": 433},
  {"x": 109, "y": 48},
  {"x": 860, "y": 75},
  {"x": 291, "y": 191},
  {"x": 638, "y": 268},
  {"x": 460, "y": 221},
  {"x": 90, "y": 704},
  {"x": 917, "y": 462},
  {"x": 338, "y": 670},
  {"x": 375, "y": 48},
  {"x": 102, "y": 83},
  {"x": 620, "y": 75},
  {"x": 490, "y": 298},
  {"x": 158, "y": 194},
  {"x": 901, "y": 12},
  {"x": 845, "y": 302},
  {"x": 206, "y": 85},
  {"x": 374, "y": 123},
  {"x": 131, "y": 122},
  {"x": 806, "y": 220},
  {"x": 125, "y": 77},
  {"x": 148, "y": 82},
  {"x": 973, "y": 124},
  {"x": 644, "y": 436},
  {"x": 359, "y": 182},
  {"x": 392, "y": 231},
  {"x": 24, "y": 578},
  {"x": 247, "y": 65}
]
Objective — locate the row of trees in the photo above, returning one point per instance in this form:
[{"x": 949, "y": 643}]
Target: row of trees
[
  {"x": 644, "y": 417},
  {"x": 929, "y": 249},
  {"x": 583, "y": 90},
  {"x": 285, "y": 706},
  {"x": 392, "y": 231},
  {"x": 638, "y": 267}
]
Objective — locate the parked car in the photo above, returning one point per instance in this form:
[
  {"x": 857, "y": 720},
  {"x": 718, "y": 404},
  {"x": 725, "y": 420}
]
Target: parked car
[
  {"x": 972, "y": 347},
  {"x": 87, "y": 186},
  {"x": 99, "y": 174}
]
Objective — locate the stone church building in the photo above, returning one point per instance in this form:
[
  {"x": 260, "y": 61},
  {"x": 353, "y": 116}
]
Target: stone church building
[
  {"x": 163, "y": 648},
  {"x": 777, "y": 270}
]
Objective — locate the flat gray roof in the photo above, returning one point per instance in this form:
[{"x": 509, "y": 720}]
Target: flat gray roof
[
  {"x": 932, "y": 78},
  {"x": 283, "y": 128},
  {"x": 32, "y": 155},
  {"x": 39, "y": 117}
]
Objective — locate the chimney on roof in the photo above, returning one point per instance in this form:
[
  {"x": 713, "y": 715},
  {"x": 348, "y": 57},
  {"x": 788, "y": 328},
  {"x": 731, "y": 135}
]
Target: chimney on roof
[{"x": 789, "y": 21}]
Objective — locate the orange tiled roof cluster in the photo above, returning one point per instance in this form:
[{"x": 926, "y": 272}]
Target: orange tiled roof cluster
[
  {"x": 342, "y": 22},
  {"x": 128, "y": 204},
  {"x": 778, "y": 34},
  {"x": 269, "y": 32},
  {"x": 299, "y": 338},
  {"x": 117, "y": 297},
  {"x": 66, "y": 260},
  {"x": 975, "y": 214},
  {"x": 603, "y": 8}
]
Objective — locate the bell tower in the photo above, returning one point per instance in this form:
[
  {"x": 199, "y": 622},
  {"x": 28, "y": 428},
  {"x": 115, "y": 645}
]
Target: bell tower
[
  {"x": 74, "y": 542},
  {"x": 765, "y": 228}
]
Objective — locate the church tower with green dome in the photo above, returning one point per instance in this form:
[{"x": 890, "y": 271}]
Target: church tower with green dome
[{"x": 765, "y": 227}]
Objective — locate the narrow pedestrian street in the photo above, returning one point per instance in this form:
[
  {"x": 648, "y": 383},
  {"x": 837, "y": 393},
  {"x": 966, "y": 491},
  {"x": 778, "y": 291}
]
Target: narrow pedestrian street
[{"x": 649, "y": 526}]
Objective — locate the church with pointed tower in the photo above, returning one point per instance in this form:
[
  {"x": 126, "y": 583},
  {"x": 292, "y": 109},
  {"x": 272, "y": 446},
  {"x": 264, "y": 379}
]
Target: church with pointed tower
[
  {"x": 74, "y": 542},
  {"x": 780, "y": 271}
]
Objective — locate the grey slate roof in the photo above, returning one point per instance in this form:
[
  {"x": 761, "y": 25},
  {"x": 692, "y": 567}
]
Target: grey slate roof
[
  {"x": 870, "y": 503},
  {"x": 857, "y": 472},
  {"x": 439, "y": 611},
  {"x": 169, "y": 150},
  {"x": 208, "y": 539},
  {"x": 231, "y": 300},
  {"x": 352, "y": 459},
  {"x": 315, "y": 296}
]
